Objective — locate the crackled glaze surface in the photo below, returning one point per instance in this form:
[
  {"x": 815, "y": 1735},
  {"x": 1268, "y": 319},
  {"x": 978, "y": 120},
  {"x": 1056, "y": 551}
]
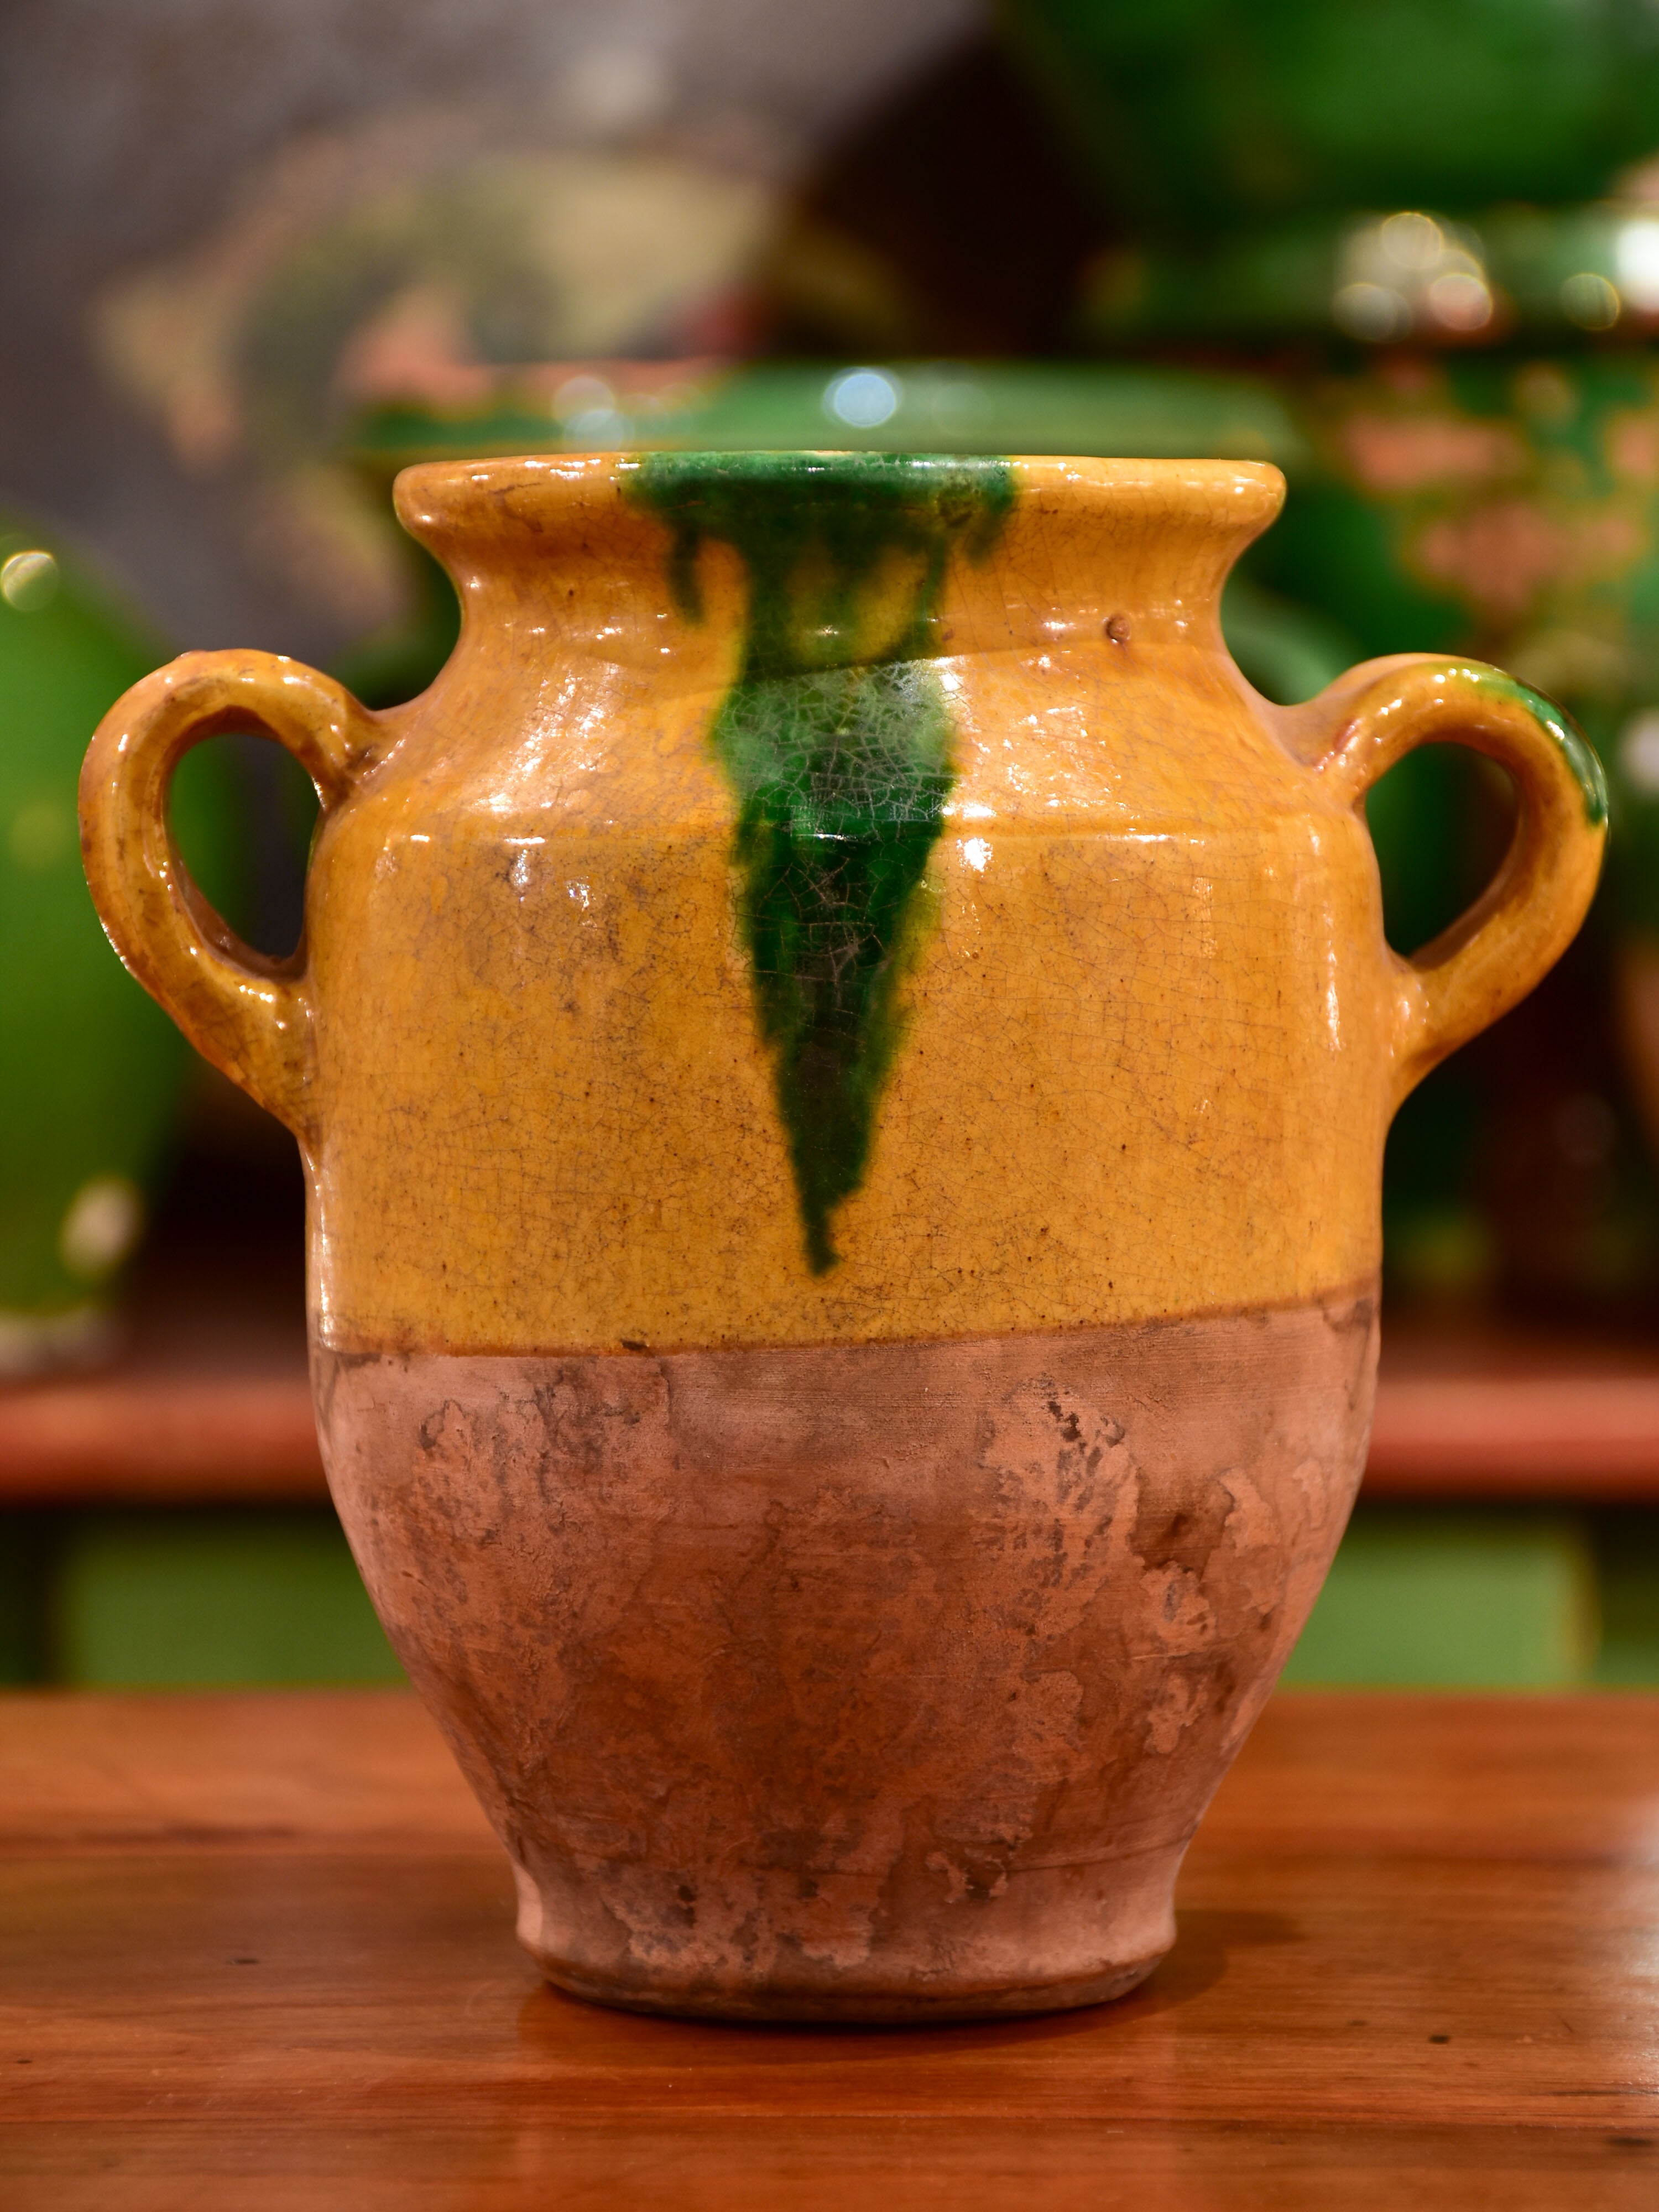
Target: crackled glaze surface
[
  {"x": 855, "y": 1678},
  {"x": 842, "y": 1057},
  {"x": 837, "y": 739}
]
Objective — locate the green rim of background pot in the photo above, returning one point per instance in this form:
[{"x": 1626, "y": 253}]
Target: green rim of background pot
[
  {"x": 938, "y": 407},
  {"x": 1572, "y": 273}
]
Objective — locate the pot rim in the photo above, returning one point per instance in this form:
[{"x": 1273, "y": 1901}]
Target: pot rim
[{"x": 441, "y": 499}]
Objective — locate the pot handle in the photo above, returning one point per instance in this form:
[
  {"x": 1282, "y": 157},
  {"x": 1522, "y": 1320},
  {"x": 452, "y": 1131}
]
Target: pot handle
[
  {"x": 1529, "y": 913},
  {"x": 247, "y": 1013}
]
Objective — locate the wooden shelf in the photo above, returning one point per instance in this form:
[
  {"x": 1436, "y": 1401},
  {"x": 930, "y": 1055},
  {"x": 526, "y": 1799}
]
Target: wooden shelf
[
  {"x": 1488, "y": 1413},
  {"x": 144, "y": 1439},
  {"x": 210, "y": 1404}
]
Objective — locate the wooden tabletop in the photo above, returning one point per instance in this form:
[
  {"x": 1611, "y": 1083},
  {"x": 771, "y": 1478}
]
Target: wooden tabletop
[{"x": 256, "y": 1952}]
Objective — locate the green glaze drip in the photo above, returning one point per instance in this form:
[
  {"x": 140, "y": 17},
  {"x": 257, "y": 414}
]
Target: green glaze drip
[
  {"x": 836, "y": 738},
  {"x": 1580, "y": 754}
]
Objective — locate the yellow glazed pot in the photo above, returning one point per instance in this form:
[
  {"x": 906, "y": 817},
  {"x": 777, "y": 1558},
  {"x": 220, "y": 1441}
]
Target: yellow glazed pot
[{"x": 842, "y": 1056}]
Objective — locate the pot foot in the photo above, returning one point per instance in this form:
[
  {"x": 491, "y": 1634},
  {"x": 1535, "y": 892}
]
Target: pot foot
[
  {"x": 1058, "y": 1938},
  {"x": 916, "y": 2008}
]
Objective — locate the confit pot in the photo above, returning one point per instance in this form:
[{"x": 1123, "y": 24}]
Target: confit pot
[{"x": 841, "y": 1055}]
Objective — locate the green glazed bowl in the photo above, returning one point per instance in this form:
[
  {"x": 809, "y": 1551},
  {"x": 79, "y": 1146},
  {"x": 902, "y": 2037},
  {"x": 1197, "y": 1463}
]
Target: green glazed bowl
[
  {"x": 1199, "y": 115},
  {"x": 92, "y": 1069}
]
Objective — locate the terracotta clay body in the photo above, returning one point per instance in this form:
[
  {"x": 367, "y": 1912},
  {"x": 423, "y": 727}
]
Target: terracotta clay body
[{"x": 842, "y": 1058}]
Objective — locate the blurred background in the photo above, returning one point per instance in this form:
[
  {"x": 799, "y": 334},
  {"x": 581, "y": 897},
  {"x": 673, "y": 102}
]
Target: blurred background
[{"x": 258, "y": 254}]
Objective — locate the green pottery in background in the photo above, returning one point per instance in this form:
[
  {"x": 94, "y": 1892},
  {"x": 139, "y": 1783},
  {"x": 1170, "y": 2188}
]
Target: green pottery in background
[
  {"x": 1486, "y": 500},
  {"x": 1197, "y": 115},
  {"x": 1551, "y": 273},
  {"x": 1507, "y": 505},
  {"x": 91, "y": 1069}
]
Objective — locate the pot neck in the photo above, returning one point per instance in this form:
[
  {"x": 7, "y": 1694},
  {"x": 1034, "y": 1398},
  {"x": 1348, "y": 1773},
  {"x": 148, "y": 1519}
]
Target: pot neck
[{"x": 826, "y": 560}]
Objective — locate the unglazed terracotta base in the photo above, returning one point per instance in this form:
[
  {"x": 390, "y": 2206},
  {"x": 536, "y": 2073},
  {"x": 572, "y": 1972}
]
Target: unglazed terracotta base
[{"x": 858, "y": 1682}]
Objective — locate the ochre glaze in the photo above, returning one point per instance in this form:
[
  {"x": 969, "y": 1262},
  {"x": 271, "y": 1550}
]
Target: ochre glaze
[
  {"x": 1151, "y": 1035},
  {"x": 841, "y": 1056}
]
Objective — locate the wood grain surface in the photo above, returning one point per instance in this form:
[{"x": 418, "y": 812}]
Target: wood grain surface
[{"x": 257, "y": 1952}]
